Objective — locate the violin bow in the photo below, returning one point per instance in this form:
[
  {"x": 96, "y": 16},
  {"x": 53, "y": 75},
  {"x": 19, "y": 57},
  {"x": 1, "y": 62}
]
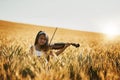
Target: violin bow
[{"x": 53, "y": 35}]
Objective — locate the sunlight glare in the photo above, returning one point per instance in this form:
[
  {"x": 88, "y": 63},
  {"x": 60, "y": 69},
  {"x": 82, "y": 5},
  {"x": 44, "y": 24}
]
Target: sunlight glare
[{"x": 111, "y": 30}]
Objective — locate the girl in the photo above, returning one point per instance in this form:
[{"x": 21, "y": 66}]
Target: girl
[{"x": 41, "y": 45}]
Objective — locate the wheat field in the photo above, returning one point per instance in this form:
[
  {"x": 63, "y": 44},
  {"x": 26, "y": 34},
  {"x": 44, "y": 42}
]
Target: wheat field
[{"x": 97, "y": 58}]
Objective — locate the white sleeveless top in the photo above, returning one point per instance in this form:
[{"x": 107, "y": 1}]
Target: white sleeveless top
[{"x": 38, "y": 53}]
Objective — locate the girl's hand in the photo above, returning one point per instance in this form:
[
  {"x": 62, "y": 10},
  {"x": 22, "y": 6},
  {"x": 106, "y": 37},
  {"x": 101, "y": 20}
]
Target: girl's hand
[{"x": 66, "y": 45}]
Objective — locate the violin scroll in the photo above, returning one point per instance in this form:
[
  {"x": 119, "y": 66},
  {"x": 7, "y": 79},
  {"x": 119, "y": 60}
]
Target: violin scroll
[{"x": 76, "y": 45}]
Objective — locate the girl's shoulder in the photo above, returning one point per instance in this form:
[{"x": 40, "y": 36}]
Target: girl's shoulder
[{"x": 32, "y": 47}]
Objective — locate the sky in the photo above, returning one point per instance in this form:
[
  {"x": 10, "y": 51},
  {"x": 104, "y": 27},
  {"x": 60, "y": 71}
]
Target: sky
[{"x": 86, "y": 15}]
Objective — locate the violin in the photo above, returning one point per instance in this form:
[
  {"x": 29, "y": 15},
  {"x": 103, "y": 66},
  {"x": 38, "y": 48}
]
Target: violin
[{"x": 62, "y": 45}]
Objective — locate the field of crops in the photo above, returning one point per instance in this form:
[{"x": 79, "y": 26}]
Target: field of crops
[{"x": 97, "y": 58}]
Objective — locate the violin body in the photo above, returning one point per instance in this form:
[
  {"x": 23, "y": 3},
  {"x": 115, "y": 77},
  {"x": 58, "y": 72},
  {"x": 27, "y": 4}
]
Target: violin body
[{"x": 62, "y": 45}]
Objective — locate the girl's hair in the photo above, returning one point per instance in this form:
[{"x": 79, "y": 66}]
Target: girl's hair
[{"x": 45, "y": 46}]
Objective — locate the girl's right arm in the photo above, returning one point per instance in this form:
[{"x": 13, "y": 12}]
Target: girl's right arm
[{"x": 32, "y": 49}]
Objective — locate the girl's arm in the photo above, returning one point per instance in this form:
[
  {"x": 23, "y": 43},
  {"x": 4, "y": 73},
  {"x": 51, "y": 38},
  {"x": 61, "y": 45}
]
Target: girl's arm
[
  {"x": 32, "y": 49},
  {"x": 61, "y": 50}
]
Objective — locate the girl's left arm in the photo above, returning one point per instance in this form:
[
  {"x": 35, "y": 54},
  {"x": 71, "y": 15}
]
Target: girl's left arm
[{"x": 61, "y": 50}]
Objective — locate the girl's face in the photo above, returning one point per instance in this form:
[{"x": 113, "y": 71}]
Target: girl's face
[{"x": 42, "y": 40}]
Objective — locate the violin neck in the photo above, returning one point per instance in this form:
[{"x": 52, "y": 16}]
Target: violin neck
[{"x": 61, "y": 45}]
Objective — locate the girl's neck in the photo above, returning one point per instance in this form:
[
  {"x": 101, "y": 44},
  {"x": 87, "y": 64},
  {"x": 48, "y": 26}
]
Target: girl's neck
[{"x": 38, "y": 47}]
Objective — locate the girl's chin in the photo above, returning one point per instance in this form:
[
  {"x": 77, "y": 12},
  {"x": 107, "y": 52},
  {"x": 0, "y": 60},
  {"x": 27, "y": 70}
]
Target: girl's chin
[{"x": 41, "y": 44}]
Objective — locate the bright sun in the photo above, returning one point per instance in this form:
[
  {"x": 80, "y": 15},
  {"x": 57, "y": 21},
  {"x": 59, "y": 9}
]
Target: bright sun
[{"x": 111, "y": 30}]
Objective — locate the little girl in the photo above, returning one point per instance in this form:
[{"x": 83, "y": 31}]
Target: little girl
[{"x": 41, "y": 45}]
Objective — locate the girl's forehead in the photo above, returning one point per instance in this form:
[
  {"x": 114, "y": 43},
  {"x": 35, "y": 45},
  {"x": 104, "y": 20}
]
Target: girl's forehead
[{"x": 42, "y": 36}]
